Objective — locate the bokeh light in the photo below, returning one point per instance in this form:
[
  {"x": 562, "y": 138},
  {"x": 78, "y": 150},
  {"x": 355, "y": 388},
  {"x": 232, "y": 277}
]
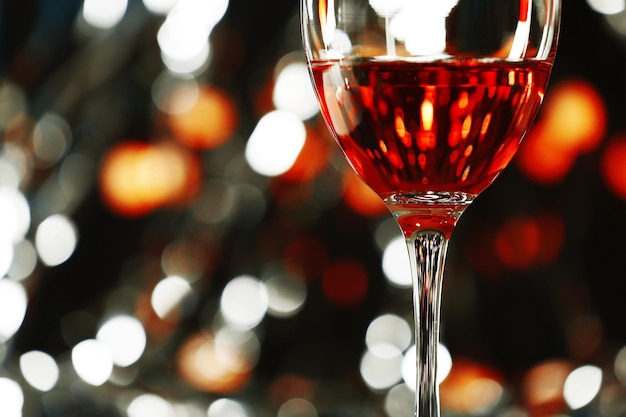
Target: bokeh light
[
  {"x": 244, "y": 301},
  {"x": 293, "y": 91},
  {"x": 39, "y": 369},
  {"x": 210, "y": 120},
  {"x": 227, "y": 408},
  {"x": 388, "y": 329},
  {"x": 104, "y": 14},
  {"x": 396, "y": 263},
  {"x": 13, "y": 304},
  {"x": 125, "y": 337},
  {"x": 92, "y": 361},
  {"x": 573, "y": 121},
  {"x": 345, "y": 282},
  {"x": 56, "y": 239},
  {"x": 275, "y": 143},
  {"x": 150, "y": 405},
  {"x": 168, "y": 295},
  {"x": 582, "y": 386},
  {"x": 297, "y": 407},
  {"x": 14, "y": 215},
  {"x": 11, "y": 398},
  {"x": 220, "y": 368},
  {"x": 286, "y": 295},
  {"x": 137, "y": 178}
]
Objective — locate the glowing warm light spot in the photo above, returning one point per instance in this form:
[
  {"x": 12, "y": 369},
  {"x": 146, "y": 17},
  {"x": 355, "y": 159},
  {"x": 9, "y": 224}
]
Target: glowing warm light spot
[
  {"x": 471, "y": 389},
  {"x": 13, "y": 303},
  {"x": 275, "y": 143},
  {"x": 517, "y": 243},
  {"x": 11, "y": 398},
  {"x": 524, "y": 242},
  {"x": 125, "y": 337},
  {"x": 244, "y": 302},
  {"x": 613, "y": 168},
  {"x": 136, "y": 178},
  {"x": 360, "y": 198},
  {"x": 311, "y": 161},
  {"x": 575, "y": 115},
  {"x": 400, "y": 127},
  {"x": 104, "y": 14},
  {"x": 542, "y": 387},
  {"x": 92, "y": 362},
  {"x": 211, "y": 121},
  {"x": 345, "y": 282},
  {"x": 39, "y": 369},
  {"x": 485, "y": 125},
  {"x": 202, "y": 365},
  {"x": 467, "y": 126},
  {"x": 541, "y": 160},
  {"x": 427, "y": 112}
]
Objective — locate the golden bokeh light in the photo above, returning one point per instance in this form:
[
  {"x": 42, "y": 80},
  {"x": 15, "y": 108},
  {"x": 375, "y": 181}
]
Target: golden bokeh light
[
  {"x": 542, "y": 387},
  {"x": 203, "y": 364},
  {"x": 471, "y": 389},
  {"x": 312, "y": 160},
  {"x": 209, "y": 123},
  {"x": 137, "y": 177}
]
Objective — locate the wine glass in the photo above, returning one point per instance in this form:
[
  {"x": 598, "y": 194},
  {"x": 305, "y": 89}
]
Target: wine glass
[{"x": 428, "y": 101}]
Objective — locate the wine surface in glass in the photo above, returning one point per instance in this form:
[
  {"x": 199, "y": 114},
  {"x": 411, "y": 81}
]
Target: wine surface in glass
[{"x": 429, "y": 129}]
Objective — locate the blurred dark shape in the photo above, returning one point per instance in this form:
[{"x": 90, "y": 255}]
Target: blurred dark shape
[{"x": 17, "y": 20}]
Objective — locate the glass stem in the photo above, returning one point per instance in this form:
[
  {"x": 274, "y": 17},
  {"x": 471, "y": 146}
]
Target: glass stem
[{"x": 427, "y": 249}]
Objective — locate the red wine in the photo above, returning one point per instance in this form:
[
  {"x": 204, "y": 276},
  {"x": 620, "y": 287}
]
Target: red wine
[{"x": 429, "y": 128}]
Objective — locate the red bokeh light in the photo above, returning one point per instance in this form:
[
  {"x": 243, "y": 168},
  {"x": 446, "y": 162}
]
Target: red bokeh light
[
  {"x": 345, "y": 282},
  {"x": 524, "y": 242},
  {"x": 574, "y": 121},
  {"x": 613, "y": 166}
]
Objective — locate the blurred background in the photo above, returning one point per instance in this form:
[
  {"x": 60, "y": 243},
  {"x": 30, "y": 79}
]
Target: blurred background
[{"x": 179, "y": 236}]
